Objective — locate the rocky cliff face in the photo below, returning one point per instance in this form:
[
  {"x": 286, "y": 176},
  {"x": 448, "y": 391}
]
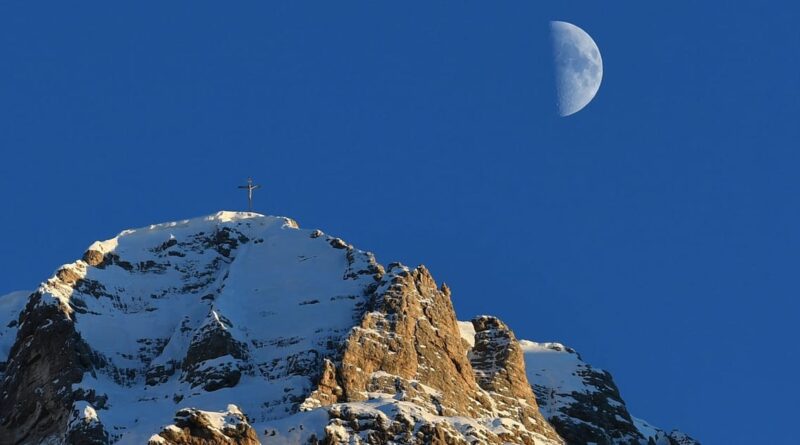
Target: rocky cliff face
[
  {"x": 406, "y": 355},
  {"x": 242, "y": 329}
]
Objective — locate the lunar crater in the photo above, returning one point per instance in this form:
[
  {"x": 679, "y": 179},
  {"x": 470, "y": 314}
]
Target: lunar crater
[{"x": 578, "y": 67}]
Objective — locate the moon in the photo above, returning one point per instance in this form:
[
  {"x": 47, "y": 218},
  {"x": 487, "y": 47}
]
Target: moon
[{"x": 578, "y": 67}]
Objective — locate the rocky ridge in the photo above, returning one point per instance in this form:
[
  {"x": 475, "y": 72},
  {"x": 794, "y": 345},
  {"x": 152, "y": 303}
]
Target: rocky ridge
[
  {"x": 204, "y": 323},
  {"x": 583, "y": 403}
]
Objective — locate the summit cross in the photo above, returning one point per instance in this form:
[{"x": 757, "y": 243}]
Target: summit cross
[{"x": 249, "y": 187}]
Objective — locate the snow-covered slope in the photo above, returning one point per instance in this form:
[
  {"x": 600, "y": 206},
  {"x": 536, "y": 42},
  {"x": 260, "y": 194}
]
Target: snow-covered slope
[
  {"x": 583, "y": 403},
  {"x": 242, "y": 327},
  {"x": 10, "y": 307}
]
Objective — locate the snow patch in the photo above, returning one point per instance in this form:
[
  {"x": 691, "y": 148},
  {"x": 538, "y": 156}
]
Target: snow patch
[{"x": 467, "y": 331}]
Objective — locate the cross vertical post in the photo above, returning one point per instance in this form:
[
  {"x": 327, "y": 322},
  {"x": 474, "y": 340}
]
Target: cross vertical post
[{"x": 249, "y": 187}]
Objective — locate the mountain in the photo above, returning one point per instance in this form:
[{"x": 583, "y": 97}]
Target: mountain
[{"x": 239, "y": 328}]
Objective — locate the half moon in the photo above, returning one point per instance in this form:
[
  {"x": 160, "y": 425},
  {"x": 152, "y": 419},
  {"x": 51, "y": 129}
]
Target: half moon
[{"x": 578, "y": 67}]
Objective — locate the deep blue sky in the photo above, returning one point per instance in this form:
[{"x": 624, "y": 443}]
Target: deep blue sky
[{"x": 656, "y": 231}]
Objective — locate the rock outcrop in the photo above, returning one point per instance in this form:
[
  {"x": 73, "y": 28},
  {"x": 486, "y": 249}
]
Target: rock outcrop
[
  {"x": 85, "y": 428},
  {"x": 196, "y": 427},
  {"x": 214, "y": 358},
  {"x": 498, "y": 363},
  {"x": 48, "y": 357},
  {"x": 409, "y": 334},
  {"x": 408, "y": 349}
]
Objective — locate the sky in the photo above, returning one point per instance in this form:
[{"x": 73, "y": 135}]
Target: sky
[{"x": 655, "y": 231}]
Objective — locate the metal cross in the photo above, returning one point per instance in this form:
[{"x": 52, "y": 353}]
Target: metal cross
[{"x": 250, "y": 187}]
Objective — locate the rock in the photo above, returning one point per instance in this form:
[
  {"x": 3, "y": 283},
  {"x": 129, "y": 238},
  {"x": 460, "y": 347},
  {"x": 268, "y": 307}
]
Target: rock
[
  {"x": 214, "y": 356},
  {"x": 327, "y": 391},
  {"x": 225, "y": 240},
  {"x": 676, "y": 437},
  {"x": 212, "y": 340},
  {"x": 408, "y": 348},
  {"x": 196, "y": 427},
  {"x": 68, "y": 276},
  {"x": 85, "y": 427},
  {"x": 499, "y": 365},
  {"x": 597, "y": 416},
  {"x": 362, "y": 263},
  {"x": 93, "y": 257},
  {"x": 48, "y": 357},
  {"x": 410, "y": 332},
  {"x": 338, "y": 243},
  {"x": 582, "y": 402}
]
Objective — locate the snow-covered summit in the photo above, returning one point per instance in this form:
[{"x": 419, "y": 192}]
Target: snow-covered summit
[{"x": 142, "y": 234}]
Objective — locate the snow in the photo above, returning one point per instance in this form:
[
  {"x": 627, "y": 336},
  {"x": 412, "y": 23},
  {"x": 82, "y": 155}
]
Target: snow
[
  {"x": 10, "y": 307},
  {"x": 155, "y": 439},
  {"x": 554, "y": 366},
  {"x": 467, "y": 331},
  {"x": 284, "y": 294},
  {"x": 555, "y": 371},
  {"x": 144, "y": 234},
  {"x": 645, "y": 428},
  {"x": 83, "y": 413}
]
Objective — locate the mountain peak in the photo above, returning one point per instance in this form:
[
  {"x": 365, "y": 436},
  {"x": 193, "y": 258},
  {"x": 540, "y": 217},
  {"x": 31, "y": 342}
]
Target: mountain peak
[
  {"x": 245, "y": 328},
  {"x": 222, "y": 217}
]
